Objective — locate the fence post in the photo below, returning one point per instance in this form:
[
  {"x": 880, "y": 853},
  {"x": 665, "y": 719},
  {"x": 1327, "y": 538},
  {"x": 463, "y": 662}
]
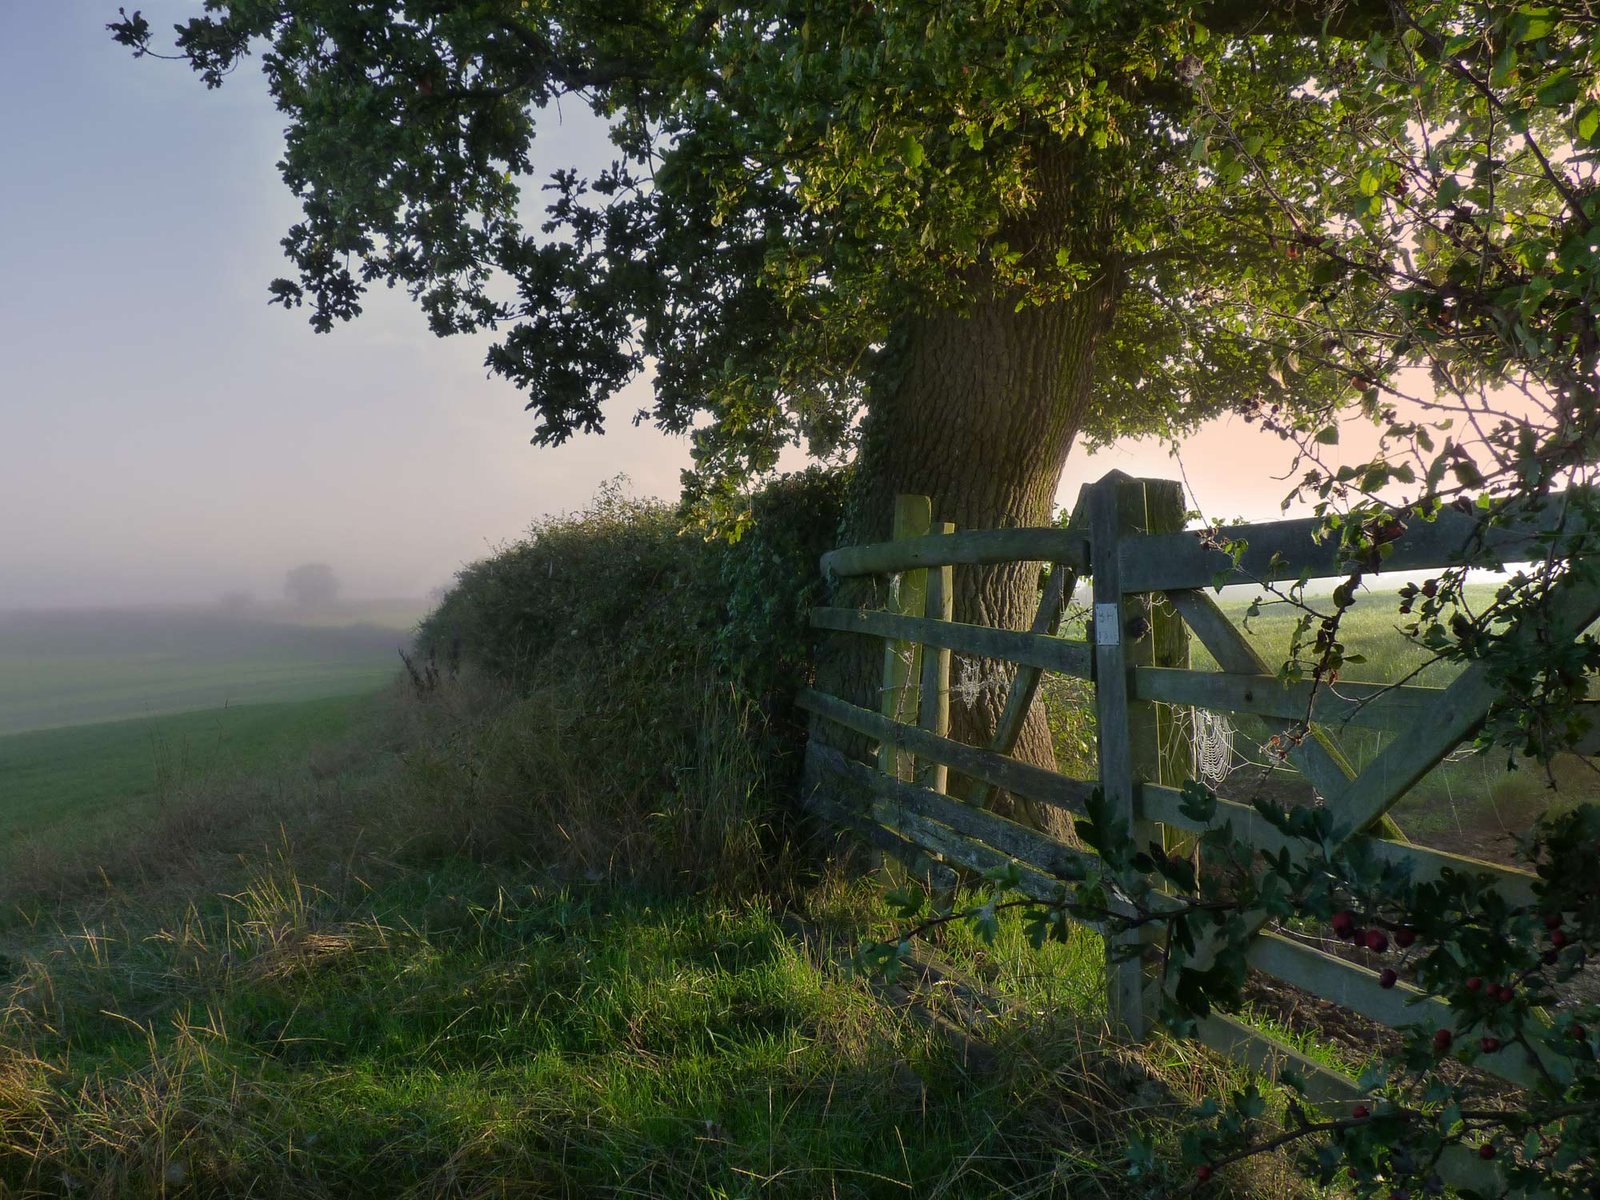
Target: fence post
[
  {"x": 1163, "y": 745},
  {"x": 1132, "y": 738},
  {"x": 939, "y": 605},
  {"x": 898, "y": 700}
]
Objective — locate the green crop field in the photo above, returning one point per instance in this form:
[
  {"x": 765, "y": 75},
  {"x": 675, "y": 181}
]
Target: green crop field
[
  {"x": 62, "y": 784},
  {"x": 73, "y": 668}
]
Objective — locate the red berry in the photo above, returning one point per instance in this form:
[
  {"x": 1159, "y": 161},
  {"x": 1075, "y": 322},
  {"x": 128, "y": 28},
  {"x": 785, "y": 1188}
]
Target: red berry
[
  {"x": 1550, "y": 957},
  {"x": 1489, "y": 1044},
  {"x": 1377, "y": 941},
  {"x": 1486, "y": 1151},
  {"x": 1579, "y": 1032},
  {"x": 1553, "y": 921},
  {"x": 1442, "y": 1039},
  {"x": 1361, "y": 1112},
  {"x": 1344, "y": 923},
  {"x": 1558, "y": 938},
  {"x": 1474, "y": 983},
  {"x": 1504, "y": 993},
  {"x": 1202, "y": 1172},
  {"x": 1388, "y": 977},
  {"x": 1405, "y": 937}
]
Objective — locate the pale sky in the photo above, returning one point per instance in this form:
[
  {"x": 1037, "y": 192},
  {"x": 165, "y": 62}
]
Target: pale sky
[{"x": 166, "y": 436}]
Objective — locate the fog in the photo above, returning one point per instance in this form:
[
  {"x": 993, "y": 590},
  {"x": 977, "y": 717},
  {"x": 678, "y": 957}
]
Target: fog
[{"x": 168, "y": 437}]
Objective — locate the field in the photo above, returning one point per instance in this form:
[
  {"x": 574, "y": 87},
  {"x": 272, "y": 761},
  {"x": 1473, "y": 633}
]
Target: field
[
  {"x": 74, "y": 668},
  {"x": 405, "y": 974},
  {"x": 63, "y": 784},
  {"x": 1471, "y": 803}
]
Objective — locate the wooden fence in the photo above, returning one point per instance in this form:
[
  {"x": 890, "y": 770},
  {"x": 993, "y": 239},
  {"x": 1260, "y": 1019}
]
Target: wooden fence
[{"x": 1151, "y": 582}]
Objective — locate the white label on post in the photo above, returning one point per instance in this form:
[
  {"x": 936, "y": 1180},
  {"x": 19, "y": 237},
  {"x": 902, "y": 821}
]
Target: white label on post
[{"x": 1108, "y": 624}]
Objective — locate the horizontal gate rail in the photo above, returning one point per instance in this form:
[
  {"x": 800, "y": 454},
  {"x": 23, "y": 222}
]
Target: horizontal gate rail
[
  {"x": 1289, "y": 549},
  {"x": 1061, "y": 655},
  {"x": 1049, "y": 855},
  {"x": 972, "y": 548},
  {"x": 1164, "y": 804},
  {"x": 1034, "y": 783},
  {"x": 1368, "y": 705}
]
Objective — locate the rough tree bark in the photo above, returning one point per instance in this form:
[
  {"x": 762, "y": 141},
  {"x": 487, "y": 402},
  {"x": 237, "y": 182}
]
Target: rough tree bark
[{"x": 978, "y": 412}]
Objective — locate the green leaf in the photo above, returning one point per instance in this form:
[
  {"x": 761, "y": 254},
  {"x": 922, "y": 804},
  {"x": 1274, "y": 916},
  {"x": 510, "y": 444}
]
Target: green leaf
[
  {"x": 1588, "y": 123},
  {"x": 911, "y": 152},
  {"x": 1560, "y": 89}
]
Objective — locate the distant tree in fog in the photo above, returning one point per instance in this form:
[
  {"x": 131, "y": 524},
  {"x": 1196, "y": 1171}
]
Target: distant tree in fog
[
  {"x": 235, "y": 603},
  {"x": 311, "y": 585}
]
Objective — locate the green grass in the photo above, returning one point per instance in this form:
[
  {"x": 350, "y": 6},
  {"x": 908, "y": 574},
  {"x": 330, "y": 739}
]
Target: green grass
[
  {"x": 61, "y": 669},
  {"x": 65, "y": 783},
  {"x": 461, "y": 1032}
]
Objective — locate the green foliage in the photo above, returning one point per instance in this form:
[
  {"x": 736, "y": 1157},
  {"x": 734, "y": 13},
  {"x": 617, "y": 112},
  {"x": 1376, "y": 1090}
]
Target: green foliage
[
  {"x": 623, "y": 581},
  {"x": 768, "y": 580},
  {"x": 790, "y": 185},
  {"x": 615, "y": 581}
]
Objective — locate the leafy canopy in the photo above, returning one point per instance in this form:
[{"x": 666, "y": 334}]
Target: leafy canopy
[{"x": 792, "y": 179}]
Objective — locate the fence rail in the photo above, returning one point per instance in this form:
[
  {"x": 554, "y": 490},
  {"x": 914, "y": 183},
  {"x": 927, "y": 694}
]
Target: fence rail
[{"x": 1127, "y": 537}]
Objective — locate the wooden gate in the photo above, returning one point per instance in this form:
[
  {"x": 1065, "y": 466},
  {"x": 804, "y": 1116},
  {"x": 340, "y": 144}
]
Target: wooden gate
[{"x": 1150, "y": 583}]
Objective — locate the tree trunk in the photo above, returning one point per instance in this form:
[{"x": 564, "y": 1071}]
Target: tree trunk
[{"x": 976, "y": 411}]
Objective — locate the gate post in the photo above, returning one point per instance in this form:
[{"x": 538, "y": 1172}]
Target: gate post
[
  {"x": 938, "y": 605},
  {"x": 1129, "y": 633},
  {"x": 901, "y": 660}
]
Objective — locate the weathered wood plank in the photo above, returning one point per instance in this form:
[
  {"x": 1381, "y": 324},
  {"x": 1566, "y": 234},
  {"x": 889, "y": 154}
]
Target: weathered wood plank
[
  {"x": 1315, "y": 755},
  {"x": 897, "y": 698},
  {"x": 855, "y": 819},
  {"x": 1117, "y": 507},
  {"x": 1574, "y": 603},
  {"x": 1183, "y": 560},
  {"x": 1025, "y": 684},
  {"x": 934, "y": 705},
  {"x": 1049, "y": 653},
  {"x": 971, "y": 547},
  {"x": 1329, "y": 977},
  {"x": 1269, "y": 1057},
  {"x": 1163, "y": 804},
  {"x": 1027, "y": 846},
  {"x": 1368, "y": 705},
  {"x": 1035, "y": 783}
]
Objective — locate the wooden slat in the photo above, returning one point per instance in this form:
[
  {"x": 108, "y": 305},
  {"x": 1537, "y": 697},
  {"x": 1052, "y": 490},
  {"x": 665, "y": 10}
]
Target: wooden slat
[
  {"x": 1268, "y": 1056},
  {"x": 1368, "y": 705},
  {"x": 836, "y": 811},
  {"x": 1314, "y": 754},
  {"x": 898, "y": 694},
  {"x": 1182, "y": 560},
  {"x": 960, "y": 849},
  {"x": 1025, "y": 684},
  {"x": 973, "y": 547},
  {"x": 1163, "y": 804},
  {"x": 1116, "y": 507},
  {"x": 1573, "y": 604},
  {"x": 1035, "y": 783},
  {"x": 1027, "y": 846},
  {"x": 1329, "y": 977},
  {"x": 1049, "y": 653},
  {"x": 933, "y": 708}
]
